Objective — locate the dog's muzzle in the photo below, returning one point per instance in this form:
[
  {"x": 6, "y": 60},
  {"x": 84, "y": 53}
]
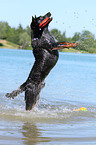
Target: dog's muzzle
[{"x": 45, "y": 22}]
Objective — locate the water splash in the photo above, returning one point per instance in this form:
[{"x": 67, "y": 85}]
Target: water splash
[{"x": 45, "y": 112}]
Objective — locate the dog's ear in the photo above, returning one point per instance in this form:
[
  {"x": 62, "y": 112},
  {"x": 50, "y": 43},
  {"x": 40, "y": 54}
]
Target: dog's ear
[{"x": 32, "y": 18}]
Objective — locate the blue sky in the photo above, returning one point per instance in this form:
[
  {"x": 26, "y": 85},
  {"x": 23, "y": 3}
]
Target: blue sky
[{"x": 68, "y": 15}]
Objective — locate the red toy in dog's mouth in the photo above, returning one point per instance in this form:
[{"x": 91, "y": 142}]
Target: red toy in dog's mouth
[{"x": 45, "y": 22}]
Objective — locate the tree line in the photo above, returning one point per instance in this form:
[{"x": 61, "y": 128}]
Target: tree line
[
  {"x": 17, "y": 35},
  {"x": 22, "y": 37}
]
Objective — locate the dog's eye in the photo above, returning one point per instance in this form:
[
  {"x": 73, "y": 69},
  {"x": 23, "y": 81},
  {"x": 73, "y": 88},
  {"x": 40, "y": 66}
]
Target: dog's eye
[{"x": 41, "y": 18}]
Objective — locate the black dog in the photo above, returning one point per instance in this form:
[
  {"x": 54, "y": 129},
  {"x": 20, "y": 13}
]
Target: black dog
[{"x": 46, "y": 55}]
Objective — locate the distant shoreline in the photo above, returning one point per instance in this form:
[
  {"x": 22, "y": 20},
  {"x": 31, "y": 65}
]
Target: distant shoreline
[{"x": 10, "y": 45}]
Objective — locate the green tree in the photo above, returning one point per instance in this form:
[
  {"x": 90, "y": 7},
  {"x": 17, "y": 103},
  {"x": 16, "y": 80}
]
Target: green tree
[
  {"x": 87, "y": 40},
  {"x": 20, "y": 29},
  {"x": 76, "y": 37},
  {"x": 3, "y": 30},
  {"x": 63, "y": 37},
  {"x": 24, "y": 39},
  {"x": 28, "y": 30},
  {"x": 56, "y": 33},
  {"x": 58, "y": 36},
  {"x": 10, "y": 34}
]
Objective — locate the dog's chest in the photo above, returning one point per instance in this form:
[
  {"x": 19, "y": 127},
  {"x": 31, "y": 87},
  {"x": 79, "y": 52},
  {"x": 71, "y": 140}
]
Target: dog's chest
[
  {"x": 48, "y": 62},
  {"x": 48, "y": 37},
  {"x": 45, "y": 59}
]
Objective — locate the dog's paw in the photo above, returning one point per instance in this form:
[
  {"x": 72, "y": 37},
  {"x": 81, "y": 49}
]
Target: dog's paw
[
  {"x": 14, "y": 93},
  {"x": 10, "y": 95}
]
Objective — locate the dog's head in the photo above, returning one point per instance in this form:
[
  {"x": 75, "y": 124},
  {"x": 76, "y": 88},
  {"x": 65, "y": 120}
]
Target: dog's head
[{"x": 39, "y": 23}]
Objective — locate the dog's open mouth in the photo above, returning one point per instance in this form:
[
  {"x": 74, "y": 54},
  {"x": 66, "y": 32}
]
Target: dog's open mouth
[{"x": 45, "y": 22}]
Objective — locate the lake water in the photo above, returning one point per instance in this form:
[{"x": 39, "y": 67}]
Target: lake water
[{"x": 70, "y": 85}]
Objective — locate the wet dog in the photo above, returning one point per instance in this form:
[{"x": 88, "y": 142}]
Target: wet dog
[{"x": 45, "y": 50}]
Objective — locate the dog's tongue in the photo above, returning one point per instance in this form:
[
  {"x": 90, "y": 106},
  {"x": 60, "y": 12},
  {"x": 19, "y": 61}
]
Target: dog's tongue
[{"x": 45, "y": 22}]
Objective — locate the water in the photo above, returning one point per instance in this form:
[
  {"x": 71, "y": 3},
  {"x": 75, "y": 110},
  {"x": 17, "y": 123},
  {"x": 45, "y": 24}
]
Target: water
[{"x": 70, "y": 85}]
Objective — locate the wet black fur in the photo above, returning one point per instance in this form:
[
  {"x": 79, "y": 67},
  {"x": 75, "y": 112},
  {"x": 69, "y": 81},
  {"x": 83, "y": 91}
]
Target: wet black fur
[{"x": 45, "y": 59}]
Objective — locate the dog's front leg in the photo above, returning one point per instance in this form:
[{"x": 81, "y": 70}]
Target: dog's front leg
[
  {"x": 63, "y": 44},
  {"x": 16, "y": 92}
]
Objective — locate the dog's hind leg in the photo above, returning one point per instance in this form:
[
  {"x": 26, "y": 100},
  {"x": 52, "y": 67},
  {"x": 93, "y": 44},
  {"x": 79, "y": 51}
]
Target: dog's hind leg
[
  {"x": 31, "y": 102},
  {"x": 32, "y": 92},
  {"x": 37, "y": 100},
  {"x": 30, "y": 98}
]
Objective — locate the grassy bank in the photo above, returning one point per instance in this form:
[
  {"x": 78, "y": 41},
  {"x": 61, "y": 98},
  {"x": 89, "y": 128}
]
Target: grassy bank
[
  {"x": 7, "y": 44},
  {"x": 73, "y": 50}
]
